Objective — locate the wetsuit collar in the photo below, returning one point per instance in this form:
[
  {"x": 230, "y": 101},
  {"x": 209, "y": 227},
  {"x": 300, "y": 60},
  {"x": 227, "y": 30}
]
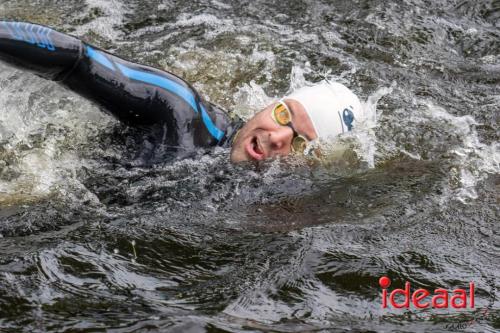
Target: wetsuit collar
[{"x": 231, "y": 132}]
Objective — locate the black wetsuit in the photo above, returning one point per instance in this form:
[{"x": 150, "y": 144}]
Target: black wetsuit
[{"x": 135, "y": 94}]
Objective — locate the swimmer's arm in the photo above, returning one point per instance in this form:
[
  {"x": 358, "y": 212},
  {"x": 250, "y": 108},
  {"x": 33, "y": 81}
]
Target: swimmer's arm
[{"x": 137, "y": 95}]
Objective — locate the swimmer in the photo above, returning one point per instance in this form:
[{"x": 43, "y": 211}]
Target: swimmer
[{"x": 145, "y": 97}]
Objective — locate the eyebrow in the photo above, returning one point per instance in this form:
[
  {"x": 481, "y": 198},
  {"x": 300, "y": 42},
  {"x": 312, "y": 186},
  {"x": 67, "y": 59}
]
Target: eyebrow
[
  {"x": 293, "y": 115},
  {"x": 289, "y": 108}
]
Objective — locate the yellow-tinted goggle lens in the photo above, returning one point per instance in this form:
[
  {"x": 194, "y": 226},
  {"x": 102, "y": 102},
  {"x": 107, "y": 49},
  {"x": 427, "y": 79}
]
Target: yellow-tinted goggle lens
[
  {"x": 299, "y": 144},
  {"x": 281, "y": 114}
]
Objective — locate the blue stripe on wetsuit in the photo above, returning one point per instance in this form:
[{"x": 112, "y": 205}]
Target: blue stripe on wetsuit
[
  {"x": 100, "y": 58},
  {"x": 216, "y": 133},
  {"x": 161, "y": 82},
  {"x": 31, "y": 34}
]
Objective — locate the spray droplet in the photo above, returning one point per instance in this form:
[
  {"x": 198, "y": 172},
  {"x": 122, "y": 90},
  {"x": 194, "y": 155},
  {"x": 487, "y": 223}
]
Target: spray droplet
[
  {"x": 133, "y": 248},
  {"x": 116, "y": 251}
]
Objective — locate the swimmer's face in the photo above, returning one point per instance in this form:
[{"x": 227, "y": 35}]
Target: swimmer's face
[{"x": 262, "y": 138}]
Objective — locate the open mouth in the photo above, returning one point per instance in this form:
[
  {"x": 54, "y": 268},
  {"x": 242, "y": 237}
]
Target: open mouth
[{"x": 255, "y": 150}]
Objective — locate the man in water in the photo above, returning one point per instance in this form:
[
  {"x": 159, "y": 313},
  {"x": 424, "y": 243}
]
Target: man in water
[{"x": 146, "y": 97}]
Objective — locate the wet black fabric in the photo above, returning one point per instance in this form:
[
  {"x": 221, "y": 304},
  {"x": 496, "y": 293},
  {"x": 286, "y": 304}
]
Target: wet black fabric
[{"x": 137, "y": 95}]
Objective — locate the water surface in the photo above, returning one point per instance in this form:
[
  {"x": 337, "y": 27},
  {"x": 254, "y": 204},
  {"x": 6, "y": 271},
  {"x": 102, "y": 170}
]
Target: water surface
[{"x": 101, "y": 232}]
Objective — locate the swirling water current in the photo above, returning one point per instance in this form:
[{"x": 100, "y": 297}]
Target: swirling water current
[{"x": 93, "y": 239}]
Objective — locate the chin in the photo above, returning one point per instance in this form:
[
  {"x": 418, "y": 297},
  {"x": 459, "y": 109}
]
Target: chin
[
  {"x": 234, "y": 158},
  {"x": 238, "y": 155}
]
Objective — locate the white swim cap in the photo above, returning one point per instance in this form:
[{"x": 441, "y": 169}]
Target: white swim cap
[{"x": 332, "y": 108}]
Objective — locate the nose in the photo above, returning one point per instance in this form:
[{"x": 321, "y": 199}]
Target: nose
[{"x": 280, "y": 140}]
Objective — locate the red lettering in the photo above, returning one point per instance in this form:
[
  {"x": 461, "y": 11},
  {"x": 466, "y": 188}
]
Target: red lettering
[
  {"x": 439, "y": 299},
  {"x": 405, "y": 292},
  {"x": 459, "y": 295},
  {"x": 471, "y": 291},
  {"x": 441, "y": 294},
  {"x": 419, "y": 295},
  {"x": 384, "y": 298}
]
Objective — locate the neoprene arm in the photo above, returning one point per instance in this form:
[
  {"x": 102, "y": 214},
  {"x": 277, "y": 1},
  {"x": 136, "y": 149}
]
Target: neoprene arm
[{"x": 137, "y": 95}]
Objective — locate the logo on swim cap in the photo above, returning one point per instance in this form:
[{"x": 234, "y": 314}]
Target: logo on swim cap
[
  {"x": 348, "y": 118},
  {"x": 332, "y": 108}
]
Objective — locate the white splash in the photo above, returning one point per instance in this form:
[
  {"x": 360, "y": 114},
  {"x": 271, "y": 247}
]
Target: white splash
[
  {"x": 474, "y": 159},
  {"x": 105, "y": 25},
  {"x": 430, "y": 132},
  {"x": 39, "y": 129}
]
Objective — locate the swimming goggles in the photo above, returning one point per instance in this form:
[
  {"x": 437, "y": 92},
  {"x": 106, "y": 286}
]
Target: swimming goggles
[{"x": 282, "y": 115}]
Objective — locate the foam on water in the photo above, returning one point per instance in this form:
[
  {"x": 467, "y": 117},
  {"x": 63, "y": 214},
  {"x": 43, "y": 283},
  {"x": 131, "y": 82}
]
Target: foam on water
[
  {"x": 187, "y": 20},
  {"x": 215, "y": 72},
  {"x": 111, "y": 15},
  {"x": 474, "y": 160},
  {"x": 40, "y": 124},
  {"x": 426, "y": 128}
]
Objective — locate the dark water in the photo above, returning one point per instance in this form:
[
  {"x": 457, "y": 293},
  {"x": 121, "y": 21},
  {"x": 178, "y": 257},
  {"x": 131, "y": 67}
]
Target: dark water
[{"x": 94, "y": 239}]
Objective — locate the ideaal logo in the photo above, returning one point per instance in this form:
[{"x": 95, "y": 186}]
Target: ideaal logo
[{"x": 441, "y": 299}]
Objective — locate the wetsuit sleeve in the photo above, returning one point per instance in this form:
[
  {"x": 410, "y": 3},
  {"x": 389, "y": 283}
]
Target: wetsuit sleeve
[{"x": 135, "y": 94}]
